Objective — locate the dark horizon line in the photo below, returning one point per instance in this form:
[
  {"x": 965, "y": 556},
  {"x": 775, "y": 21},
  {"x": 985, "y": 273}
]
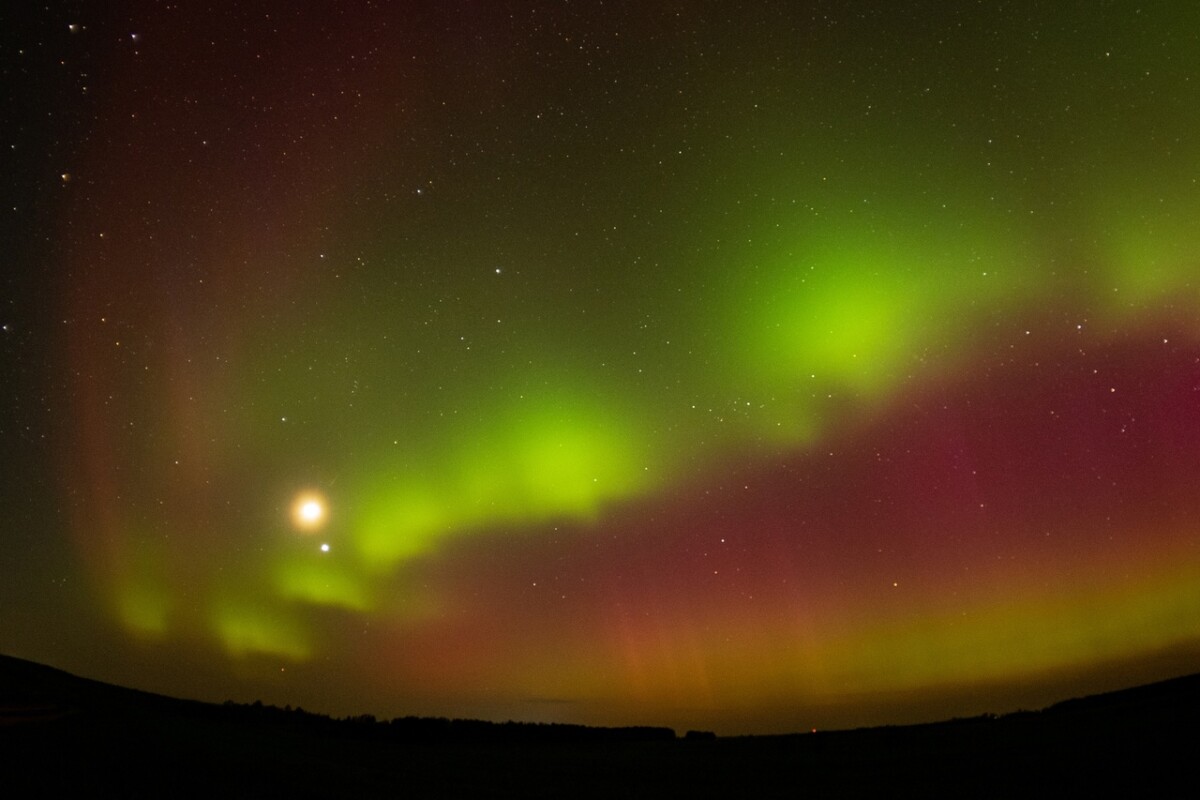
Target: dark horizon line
[{"x": 102, "y": 694}]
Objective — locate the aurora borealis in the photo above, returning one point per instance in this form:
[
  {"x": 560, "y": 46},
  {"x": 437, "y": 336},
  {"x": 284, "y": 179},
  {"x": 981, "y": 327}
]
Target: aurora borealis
[{"x": 748, "y": 367}]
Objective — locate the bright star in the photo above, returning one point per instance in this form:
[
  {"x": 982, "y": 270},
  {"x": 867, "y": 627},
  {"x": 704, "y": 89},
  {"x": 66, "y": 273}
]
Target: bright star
[{"x": 308, "y": 511}]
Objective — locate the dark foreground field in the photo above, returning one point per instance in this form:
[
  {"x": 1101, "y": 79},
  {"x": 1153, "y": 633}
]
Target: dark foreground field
[{"x": 62, "y": 736}]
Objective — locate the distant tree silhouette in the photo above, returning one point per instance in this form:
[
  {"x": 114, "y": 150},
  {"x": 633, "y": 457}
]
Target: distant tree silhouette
[{"x": 439, "y": 730}]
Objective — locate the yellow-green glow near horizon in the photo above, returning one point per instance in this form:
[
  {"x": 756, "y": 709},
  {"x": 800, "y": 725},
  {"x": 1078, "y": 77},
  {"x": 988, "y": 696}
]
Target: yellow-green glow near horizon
[
  {"x": 144, "y": 597},
  {"x": 250, "y": 629},
  {"x": 684, "y": 372}
]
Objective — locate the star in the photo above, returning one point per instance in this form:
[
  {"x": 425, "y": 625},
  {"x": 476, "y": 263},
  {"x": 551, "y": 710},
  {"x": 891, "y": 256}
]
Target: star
[{"x": 308, "y": 511}]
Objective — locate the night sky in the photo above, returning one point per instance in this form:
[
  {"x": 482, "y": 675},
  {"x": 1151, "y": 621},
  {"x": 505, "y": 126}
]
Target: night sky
[{"x": 742, "y": 366}]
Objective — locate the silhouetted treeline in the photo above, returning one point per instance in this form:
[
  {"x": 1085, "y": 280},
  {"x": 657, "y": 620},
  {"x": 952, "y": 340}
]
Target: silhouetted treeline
[
  {"x": 126, "y": 743},
  {"x": 425, "y": 729},
  {"x": 440, "y": 730}
]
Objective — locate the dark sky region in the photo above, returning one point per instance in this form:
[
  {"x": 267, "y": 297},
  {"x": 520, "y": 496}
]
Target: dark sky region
[{"x": 744, "y": 366}]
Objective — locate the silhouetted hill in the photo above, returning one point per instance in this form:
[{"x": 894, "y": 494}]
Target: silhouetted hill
[
  {"x": 61, "y": 735},
  {"x": 1167, "y": 696}
]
